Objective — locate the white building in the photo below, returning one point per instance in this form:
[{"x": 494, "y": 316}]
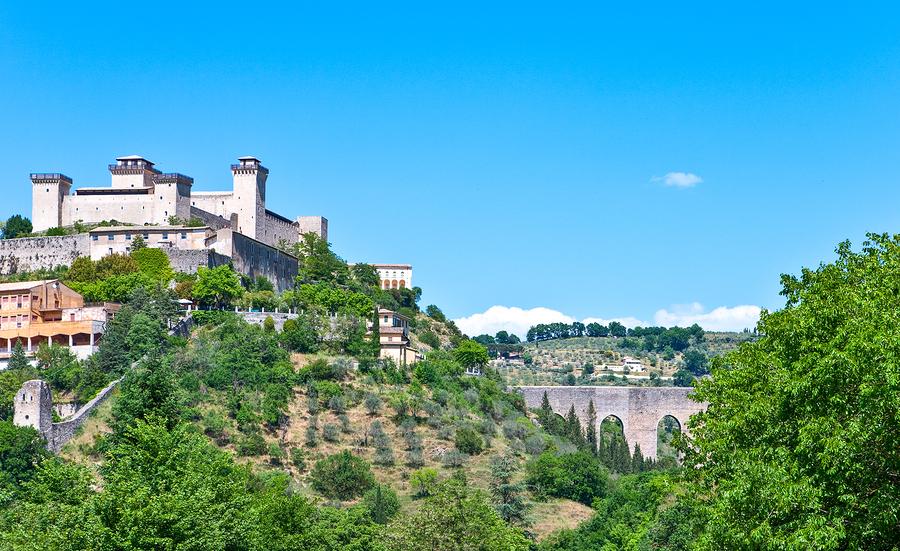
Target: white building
[
  {"x": 394, "y": 276},
  {"x": 140, "y": 194}
]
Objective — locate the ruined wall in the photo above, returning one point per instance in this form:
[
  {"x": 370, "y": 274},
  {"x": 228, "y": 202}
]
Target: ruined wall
[
  {"x": 62, "y": 432},
  {"x": 640, "y": 409},
  {"x": 34, "y": 253}
]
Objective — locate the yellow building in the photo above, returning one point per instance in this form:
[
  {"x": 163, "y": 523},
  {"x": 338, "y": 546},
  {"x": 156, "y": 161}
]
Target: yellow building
[
  {"x": 393, "y": 330},
  {"x": 35, "y": 312}
]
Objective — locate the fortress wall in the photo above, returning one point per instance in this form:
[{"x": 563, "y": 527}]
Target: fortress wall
[
  {"x": 187, "y": 261},
  {"x": 253, "y": 258},
  {"x": 275, "y": 230},
  {"x": 35, "y": 253},
  {"x": 214, "y": 221},
  {"x": 134, "y": 209},
  {"x": 640, "y": 409}
]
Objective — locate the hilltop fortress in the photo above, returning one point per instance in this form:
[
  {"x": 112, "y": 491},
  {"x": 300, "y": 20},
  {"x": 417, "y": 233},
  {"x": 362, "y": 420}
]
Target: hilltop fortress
[
  {"x": 206, "y": 228},
  {"x": 140, "y": 194}
]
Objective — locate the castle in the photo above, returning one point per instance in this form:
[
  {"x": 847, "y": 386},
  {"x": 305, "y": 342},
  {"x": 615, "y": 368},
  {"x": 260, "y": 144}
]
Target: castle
[
  {"x": 195, "y": 229},
  {"x": 142, "y": 195}
]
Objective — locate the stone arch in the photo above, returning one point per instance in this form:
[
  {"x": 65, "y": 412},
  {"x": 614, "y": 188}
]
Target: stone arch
[
  {"x": 667, "y": 427},
  {"x": 403, "y": 284},
  {"x": 393, "y": 284}
]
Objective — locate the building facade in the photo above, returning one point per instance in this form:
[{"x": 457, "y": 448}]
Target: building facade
[
  {"x": 140, "y": 194},
  {"x": 394, "y": 276},
  {"x": 393, "y": 330},
  {"x": 36, "y": 312}
]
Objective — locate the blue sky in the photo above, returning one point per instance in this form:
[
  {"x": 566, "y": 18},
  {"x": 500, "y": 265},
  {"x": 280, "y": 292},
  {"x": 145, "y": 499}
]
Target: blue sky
[{"x": 515, "y": 154}]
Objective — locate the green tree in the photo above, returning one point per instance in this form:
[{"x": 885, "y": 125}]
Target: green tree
[
  {"x": 18, "y": 359},
  {"x": 696, "y": 362},
  {"x": 17, "y": 226},
  {"x": 577, "y": 476},
  {"x": 471, "y": 354},
  {"x": 455, "y": 518},
  {"x": 153, "y": 263},
  {"x": 591, "y": 430},
  {"x": 382, "y": 503},
  {"x": 217, "y": 287},
  {"x": 342, "y": 476},
  {"x": 508, "y": 495},
  {"x": 798, "y": 445},
  {"x": 21, "y": 449},
  {"x": 149, "y": 392},
  {"x": 468, "y": 441}
]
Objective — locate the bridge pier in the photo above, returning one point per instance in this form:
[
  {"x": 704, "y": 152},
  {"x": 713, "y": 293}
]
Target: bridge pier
[{"x": 639, "y": 409}]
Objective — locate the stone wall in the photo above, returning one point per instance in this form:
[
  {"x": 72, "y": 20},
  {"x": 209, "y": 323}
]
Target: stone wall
[
  {"x": 214, "y": 221},
  {"x": 639, "y": 409},
  {"x": 34, "y": 253},
  {"x": 254, "y": 258},
  {"x": 259, "y": 318},
  {"x": 62, "y": 432},
  {"x": 187, "y": 261}
]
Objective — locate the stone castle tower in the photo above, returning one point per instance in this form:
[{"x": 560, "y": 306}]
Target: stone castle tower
[
  {"x": 48, "y": 191},
  {"x": 33, "y": 406},
  {"x": 250, "y": 196}
]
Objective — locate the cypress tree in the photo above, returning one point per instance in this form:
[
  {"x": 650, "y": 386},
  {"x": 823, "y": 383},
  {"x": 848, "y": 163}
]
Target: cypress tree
[
  {"x": 573, "y": 427},
  {"x": 546, "y": 412},
  {"x": 591, "y": 429},
  {"x": 17, "y": 359},
  {"x": 623, "y": 457},
  {"x": 637, "y": 459}
]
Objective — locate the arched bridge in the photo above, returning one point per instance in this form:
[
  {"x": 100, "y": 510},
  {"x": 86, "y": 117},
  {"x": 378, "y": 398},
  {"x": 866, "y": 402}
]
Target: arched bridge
[{"x": 639, "y": 409}]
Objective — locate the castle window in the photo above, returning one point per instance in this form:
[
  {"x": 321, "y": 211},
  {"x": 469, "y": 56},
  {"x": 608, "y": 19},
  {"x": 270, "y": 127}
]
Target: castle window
[
  {"x": 95, "y": 237},
  {"x": 165, "y": 235},
  {"x": 110, "y": 237},
  {"x": 184, "y": 235},
  {"x": 127, "y": 237}
]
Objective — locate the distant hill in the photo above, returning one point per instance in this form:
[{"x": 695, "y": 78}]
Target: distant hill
[{"x": 551, "y": 362}]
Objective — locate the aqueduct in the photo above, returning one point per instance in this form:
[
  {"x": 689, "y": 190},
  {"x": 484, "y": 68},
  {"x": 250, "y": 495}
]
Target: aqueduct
[{"x": 639, "y": 409}]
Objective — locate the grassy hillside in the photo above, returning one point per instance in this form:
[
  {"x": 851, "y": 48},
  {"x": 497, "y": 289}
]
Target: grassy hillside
[{"x": 551, "y": 362}]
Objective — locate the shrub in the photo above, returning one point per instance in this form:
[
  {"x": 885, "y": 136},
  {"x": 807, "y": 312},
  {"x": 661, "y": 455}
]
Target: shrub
[
  {"x": 445, "y": 432},
  {"x": 251, "y": 445},
  {"x": 415, "y": 457},
  {"x": 345, "y": 423},
  {"x": 342, "y": 476},
  {"x": 340, "y": 368},
  {"x": 454, "y": 459},
  {"x": 384, "y": 456},
  {"x": 578, "y": 476},
  {"x": 429, "y": 338},
  {"x": 269, "y": 325},
  {"x": 336, "y": 404},
  {"x": 535, "y": 444},
  {"x": 331, "y": 432},
  {"x": 298, "y": 459},
  {"x": 468, "y": 441},
  {"x": 423, "y": 482},
  {"x": 214, "y": 424},
  {"x": 312, "y": 432},
  {"x": 372, "y": 403},
  {"x": 275, "y": 453}
]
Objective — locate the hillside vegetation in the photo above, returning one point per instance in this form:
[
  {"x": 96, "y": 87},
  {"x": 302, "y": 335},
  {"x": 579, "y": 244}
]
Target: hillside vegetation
[{"x": 242, "y": 437}]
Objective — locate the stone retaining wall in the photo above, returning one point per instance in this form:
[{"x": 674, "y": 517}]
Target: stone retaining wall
[{"x": 29, "y": 254}]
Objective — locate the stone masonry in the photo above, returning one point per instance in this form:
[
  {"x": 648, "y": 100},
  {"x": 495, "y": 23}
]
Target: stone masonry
[{"x": 639, "y": 409}]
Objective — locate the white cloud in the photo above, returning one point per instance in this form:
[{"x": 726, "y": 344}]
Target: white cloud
[
  {"x": 679, "y": 179},
  {"x": 512, "y": 319},
  {"x": 519, "y": 321},
  {"x": 723, "y": 318}
]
